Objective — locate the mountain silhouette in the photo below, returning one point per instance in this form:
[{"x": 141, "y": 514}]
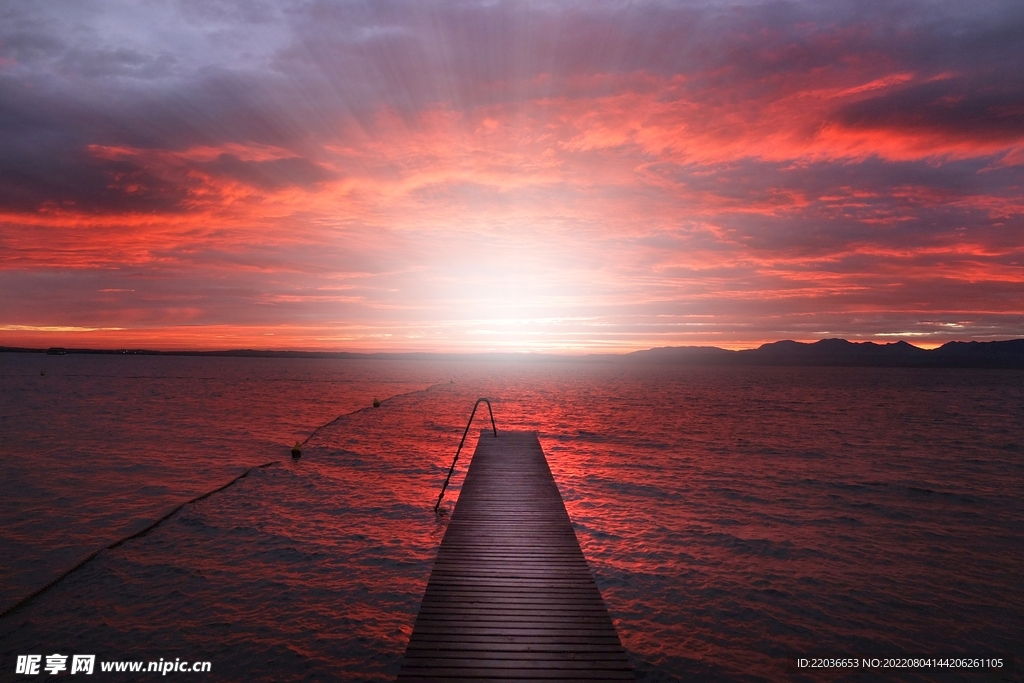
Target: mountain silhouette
[{"x": 840, "y": 352}]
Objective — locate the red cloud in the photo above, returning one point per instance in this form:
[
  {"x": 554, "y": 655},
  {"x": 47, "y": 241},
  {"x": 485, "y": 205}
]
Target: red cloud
[{"x": 753, "y": 183}]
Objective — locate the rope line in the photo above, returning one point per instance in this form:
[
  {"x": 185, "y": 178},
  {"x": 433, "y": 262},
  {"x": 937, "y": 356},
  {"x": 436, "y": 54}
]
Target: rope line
[
  {"x": 91, "y": 556},
  {"x": 328, "y": 424}
]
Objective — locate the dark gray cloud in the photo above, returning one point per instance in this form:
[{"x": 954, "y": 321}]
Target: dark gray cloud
[
  {"x": 870, "y": 221},
  {"x": 45, "y": 159},
  {"x": 120, "y": 62},
  {"x": 976, "y": 107},
  {"x": 270, "y": 175}
]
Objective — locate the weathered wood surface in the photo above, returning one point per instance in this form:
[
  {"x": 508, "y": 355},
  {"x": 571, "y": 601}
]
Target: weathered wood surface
[{"x": 511, "y": 596}]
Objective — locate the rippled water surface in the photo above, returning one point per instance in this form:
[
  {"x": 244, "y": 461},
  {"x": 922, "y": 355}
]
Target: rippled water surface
[{"x": 732, "y": 516}]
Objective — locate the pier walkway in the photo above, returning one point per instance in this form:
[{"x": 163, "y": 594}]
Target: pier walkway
[{"x": 511, "y": 596}]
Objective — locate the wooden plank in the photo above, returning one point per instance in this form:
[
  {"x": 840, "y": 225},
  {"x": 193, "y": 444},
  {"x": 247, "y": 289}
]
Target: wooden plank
[{"x": 511, "y": 596}]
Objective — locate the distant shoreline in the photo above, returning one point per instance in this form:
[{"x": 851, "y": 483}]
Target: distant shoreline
[{"x": 1007, "y": 354}]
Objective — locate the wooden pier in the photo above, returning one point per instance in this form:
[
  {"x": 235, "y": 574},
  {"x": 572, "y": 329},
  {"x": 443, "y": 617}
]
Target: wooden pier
[{"x": 511, "y": 596}]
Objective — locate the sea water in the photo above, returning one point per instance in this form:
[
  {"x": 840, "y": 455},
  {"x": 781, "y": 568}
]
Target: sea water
[{"x": 734, "y": 518}]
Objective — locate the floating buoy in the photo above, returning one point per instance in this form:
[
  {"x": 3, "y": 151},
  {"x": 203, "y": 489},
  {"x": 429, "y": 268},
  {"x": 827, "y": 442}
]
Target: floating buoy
[
  {"x": 376, "y": 403},
  {"x": 297, "y": 450}
]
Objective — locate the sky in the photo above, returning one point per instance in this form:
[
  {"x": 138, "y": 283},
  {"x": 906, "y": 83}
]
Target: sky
[{"x": 408, "y": 175}]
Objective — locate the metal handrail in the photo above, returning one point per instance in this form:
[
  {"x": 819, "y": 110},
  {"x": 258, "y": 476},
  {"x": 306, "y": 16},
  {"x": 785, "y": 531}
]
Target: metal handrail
[{"x": 452, "y": 468}]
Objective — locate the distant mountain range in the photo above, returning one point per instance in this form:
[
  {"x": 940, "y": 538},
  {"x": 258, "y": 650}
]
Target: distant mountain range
[
  {"x": 839, "y": 352},
  {"x": 827, "y": 352}
]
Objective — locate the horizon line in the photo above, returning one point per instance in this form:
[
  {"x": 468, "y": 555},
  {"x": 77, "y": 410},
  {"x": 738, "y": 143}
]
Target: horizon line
[{"x": 530, "y": 353}]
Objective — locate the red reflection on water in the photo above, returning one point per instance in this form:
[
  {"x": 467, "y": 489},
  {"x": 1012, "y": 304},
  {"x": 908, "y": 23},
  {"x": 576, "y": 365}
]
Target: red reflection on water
[{"x": 730, "y": 516}]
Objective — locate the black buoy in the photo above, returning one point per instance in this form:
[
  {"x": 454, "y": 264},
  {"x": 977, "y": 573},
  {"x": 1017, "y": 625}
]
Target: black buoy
[
  {"x": 376, "y": 403},
  {"x": 297, "y": 450}
]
